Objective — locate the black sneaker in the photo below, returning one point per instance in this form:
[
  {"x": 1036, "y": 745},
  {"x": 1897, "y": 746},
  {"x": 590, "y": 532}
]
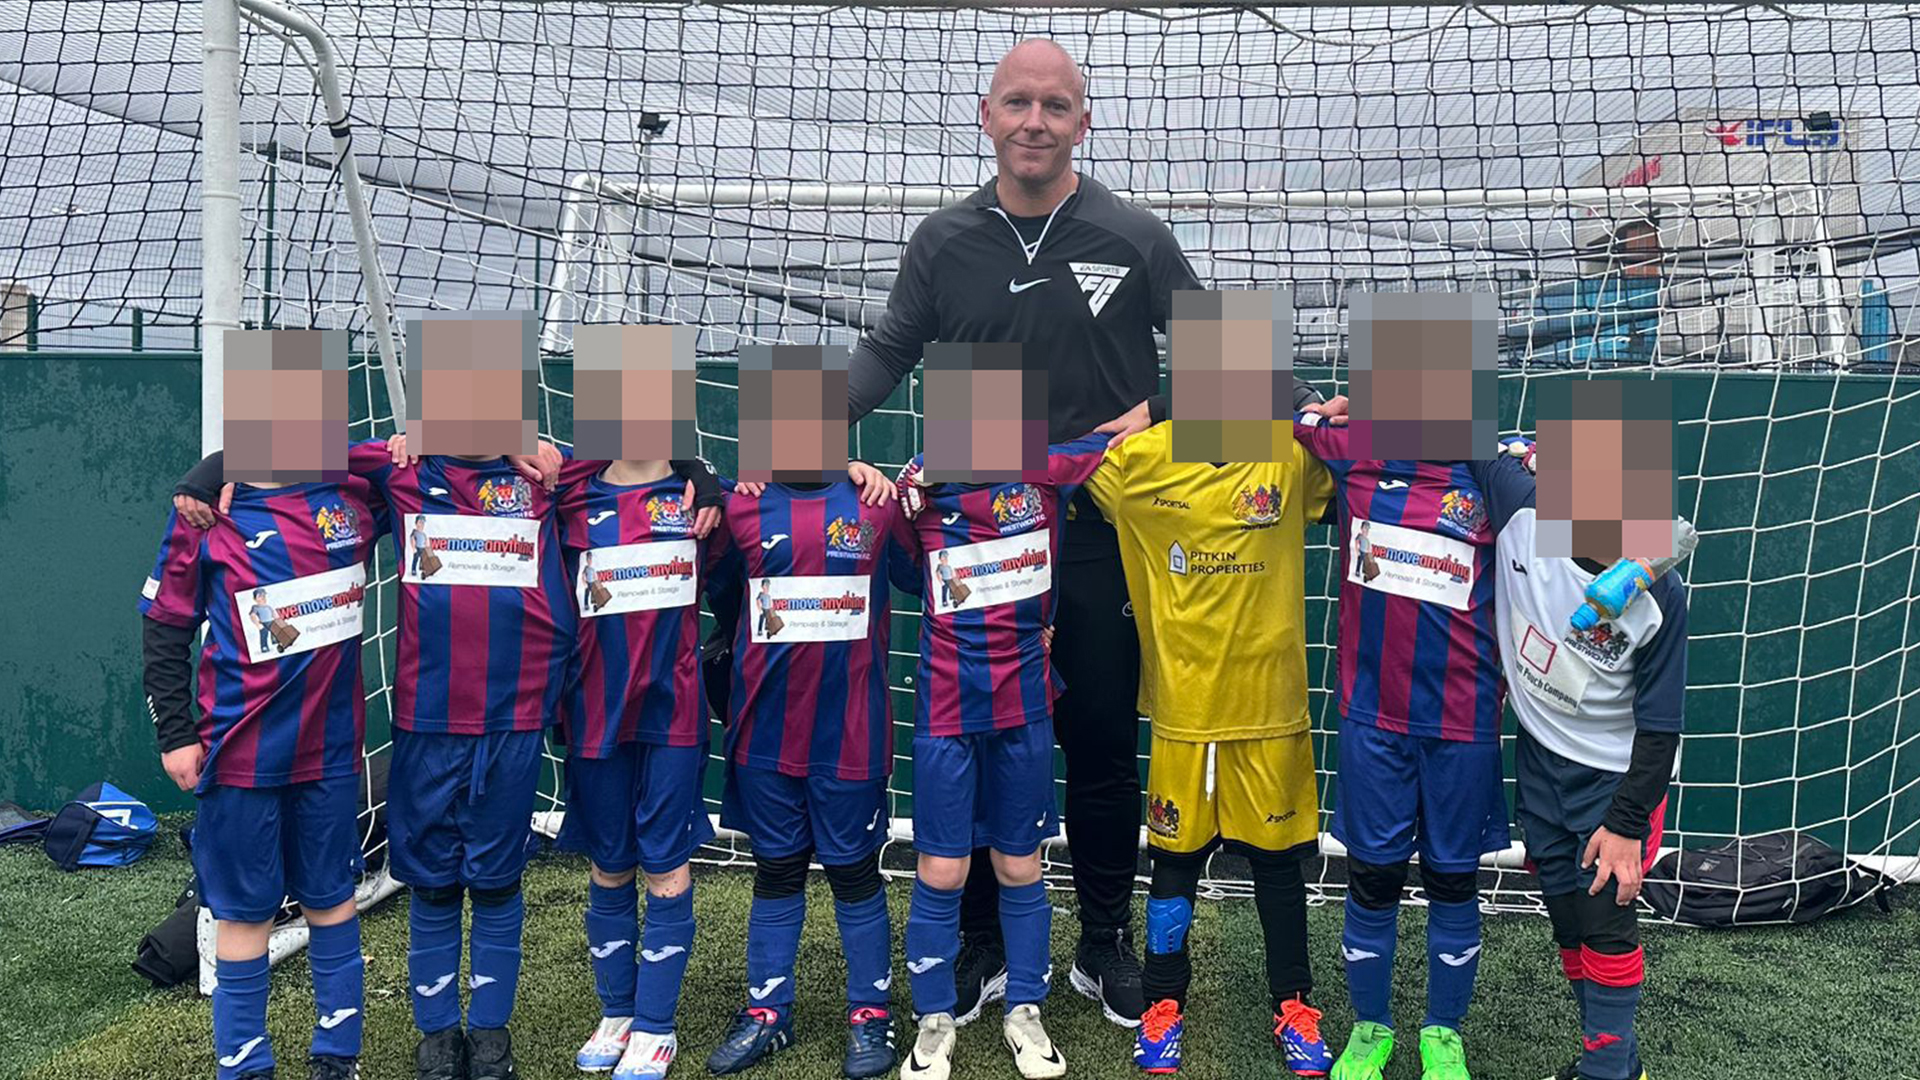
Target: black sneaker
[
  {"x": 328, "y": 1067},
  {"x": 979, "y": 975},
  {"x": 1106, "y": 970},
  {"x": 441, "y": 1056},
  {"x": 490, "y": 1054}
]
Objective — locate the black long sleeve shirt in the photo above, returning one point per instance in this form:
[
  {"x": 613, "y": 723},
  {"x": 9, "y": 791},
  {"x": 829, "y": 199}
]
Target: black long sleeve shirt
[{"x": 1084, "y": 299}]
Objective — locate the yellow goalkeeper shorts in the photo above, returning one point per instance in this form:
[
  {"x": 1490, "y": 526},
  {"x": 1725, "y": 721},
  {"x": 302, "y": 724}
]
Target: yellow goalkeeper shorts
[{"x": 1258, "y": 793}]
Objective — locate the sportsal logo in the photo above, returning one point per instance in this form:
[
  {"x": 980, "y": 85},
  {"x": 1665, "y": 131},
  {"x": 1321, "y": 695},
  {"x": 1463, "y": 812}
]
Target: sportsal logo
[
  {"x": 339, "y": 525},
  {"x": 1256, "y": 507},
  {"x": 850, "y": 539},
  {"x": 667, "y": 513},
  {"x": 1017, "y": 508},
  {"x": 1098, "y": 281},
  {"x": 1163, "y": 817},
  {"x": 506, "y": 496},
  {"x": 1463, "y": 512},
  {"x": 1603, "y": 645}
]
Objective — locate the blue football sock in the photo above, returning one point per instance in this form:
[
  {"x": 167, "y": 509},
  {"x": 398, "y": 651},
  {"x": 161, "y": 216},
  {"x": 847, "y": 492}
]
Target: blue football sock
[
  {"x": 1453, "y": 958},
  {"x": 240, "y": 1017},
  {"x": 1367, "y": 941},
  {"x": 494, "y": 958},
  {"x": 665, "y": 946},
  {"x": 339, "y": 987},
  {"x": 433, "y": 964},
  {"x": 867, "y": 939},
  {"x": 773, "y": 943},
  {"x": 1026, "y": 922},
  {"x": 933, "y": 941},
  {"x": 1609, "y": 1049},
  {"x": 613, "y": 925}
]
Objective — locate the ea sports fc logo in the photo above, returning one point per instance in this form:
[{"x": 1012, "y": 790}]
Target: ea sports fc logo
[
  {"x": 1163, "y": 818},
  {"x": 1017, "y": 508},
  {"x": 666, "y": 513},
  {"x": 339, "y": 525},
  {"x": 1256, "y": 507},
  {"x": 850, "y": 539},
  {"x": 506, "y": 496}
]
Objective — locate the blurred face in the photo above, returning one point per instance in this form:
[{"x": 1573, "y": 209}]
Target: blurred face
[
  {"x": 1606, "y": 481},
  {"x": 286, "y": 405},
  {"x": 1035, "y": 112}
]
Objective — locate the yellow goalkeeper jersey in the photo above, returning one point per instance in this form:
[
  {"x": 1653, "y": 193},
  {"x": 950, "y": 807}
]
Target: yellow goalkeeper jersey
[{"x": 1216, "y": 572}]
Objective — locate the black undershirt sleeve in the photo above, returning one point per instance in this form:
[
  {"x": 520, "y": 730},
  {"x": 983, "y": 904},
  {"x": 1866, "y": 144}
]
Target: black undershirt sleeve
[
  {"x": 706, "y": 483},
  {"x": 204, "y": 479},
  {"x": 167, "y": 679},
  {"x": 1645, "y": 783}
]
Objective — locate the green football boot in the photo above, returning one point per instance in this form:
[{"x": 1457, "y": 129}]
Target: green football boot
[
  {"x": 1368, "y": 1047},
  {"x": 1442, "y": 1057}
]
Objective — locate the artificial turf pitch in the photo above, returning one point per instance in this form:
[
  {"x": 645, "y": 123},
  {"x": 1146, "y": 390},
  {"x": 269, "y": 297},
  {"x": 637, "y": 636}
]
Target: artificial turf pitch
[{"x": 1837, "y": 998}]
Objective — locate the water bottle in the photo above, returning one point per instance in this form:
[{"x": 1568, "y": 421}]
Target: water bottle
[{"x": 1610, "y": 593}]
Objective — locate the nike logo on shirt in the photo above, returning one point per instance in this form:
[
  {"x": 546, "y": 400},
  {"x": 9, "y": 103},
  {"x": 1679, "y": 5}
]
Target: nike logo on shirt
[
  {"x": 656, "y": 955},
  {"x": 760, "y": 992},
  {"x": 439, "y": 984},
  {"x": 340, "y": 1016},
  {"x": 601, "y": 516},
  {"x": 260, "y": 538},
  {"x": 233, "y": 1060},
  {"x": 1025, "y": 285},
  {"x": 1455, "y": 961},
  {"x": 601, "y": 952},
  {"x": 772, "y": 541}
]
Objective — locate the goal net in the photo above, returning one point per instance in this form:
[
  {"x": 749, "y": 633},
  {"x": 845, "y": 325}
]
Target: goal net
[{"x": 1714, "y": 194}]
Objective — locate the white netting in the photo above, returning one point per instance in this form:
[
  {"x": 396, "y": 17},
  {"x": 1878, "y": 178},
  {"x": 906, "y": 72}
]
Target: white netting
[{"x": 1719, "y": 193}]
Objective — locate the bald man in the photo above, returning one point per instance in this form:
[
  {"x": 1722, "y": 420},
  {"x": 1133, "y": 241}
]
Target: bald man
[{"x": 1050, "y": 258}]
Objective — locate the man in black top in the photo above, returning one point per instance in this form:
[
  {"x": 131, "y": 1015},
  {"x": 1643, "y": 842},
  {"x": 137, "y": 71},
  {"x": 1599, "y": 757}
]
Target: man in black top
[{"x": 1050, "y": 258}]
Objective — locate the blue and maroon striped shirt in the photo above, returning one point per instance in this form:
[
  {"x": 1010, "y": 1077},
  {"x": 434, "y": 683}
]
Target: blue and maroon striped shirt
[
  {"x": 474, "y": 658},
  {"x": 982, "y": 666},
  {"x": 1419, "y": 653},
  {"x": 809, "y": 707},
  {"x": 635, "y": 675},
  {"x": 273, "y": 714}
]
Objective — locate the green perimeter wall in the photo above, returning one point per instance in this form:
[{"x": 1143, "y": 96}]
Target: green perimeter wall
[{"x": 90, "y": 445}]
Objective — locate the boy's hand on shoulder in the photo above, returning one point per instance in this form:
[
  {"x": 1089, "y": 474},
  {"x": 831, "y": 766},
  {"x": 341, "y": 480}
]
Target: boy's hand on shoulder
[
  {"x": 1334, "y": 410},
  {"x": 397, "y": 449},
  {"x": 750, "y": 488},
  {"x": 706, "y": 519},
  {"x": 542, "y": 466},
  {"x": 875, "y": 490},
  {"x": 200, "y": 515}
]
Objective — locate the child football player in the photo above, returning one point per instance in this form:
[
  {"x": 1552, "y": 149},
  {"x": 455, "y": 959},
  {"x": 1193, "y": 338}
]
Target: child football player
[
  {"x": 1600, "y": 716},
  {"x": 809, "y": 742},
  {"x": 1419, "y": 747},
  {"x": 983, "y": 718},
  {"x": 275, "y": 756},
  {"x": 1207, "y": 547},
  {"x": 634, "y": 719}
]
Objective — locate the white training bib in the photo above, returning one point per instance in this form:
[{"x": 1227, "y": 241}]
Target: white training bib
[
  {"x": 637, "y": 577},
  {"x": 990, "y": 572},
  {"x": 1410, "y": 563},
  {"x": 1549, "y": 671},
  {"x": 824, "y": 607},
  {"x": 303, "y": 614},
  {"x": 472, "y": 549}
]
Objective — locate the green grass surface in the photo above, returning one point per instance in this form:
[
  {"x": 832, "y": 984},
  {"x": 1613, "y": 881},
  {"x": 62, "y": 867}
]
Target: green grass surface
[{"x": 1834, "y": 999}]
